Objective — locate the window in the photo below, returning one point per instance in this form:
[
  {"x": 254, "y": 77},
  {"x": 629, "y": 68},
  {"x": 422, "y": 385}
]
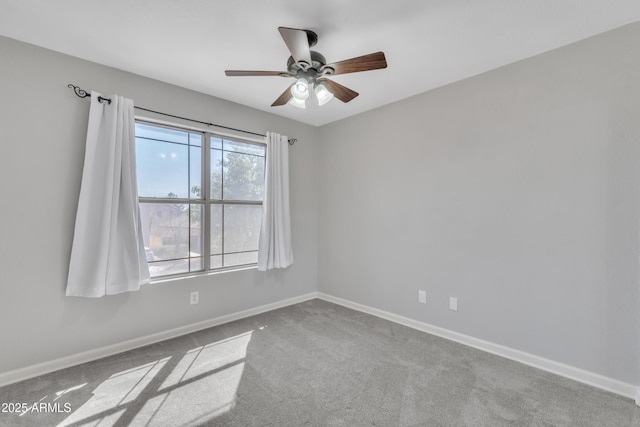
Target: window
[{"x": 200, "y": 199}]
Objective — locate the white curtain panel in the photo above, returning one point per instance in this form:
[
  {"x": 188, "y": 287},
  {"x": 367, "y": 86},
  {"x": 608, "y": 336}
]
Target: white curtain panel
[
  {"x": 108, "y": 254},
  {"x": 274, "y": 248}
]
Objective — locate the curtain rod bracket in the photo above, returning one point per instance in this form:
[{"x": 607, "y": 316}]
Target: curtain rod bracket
[{"x": 81, "y": 93}]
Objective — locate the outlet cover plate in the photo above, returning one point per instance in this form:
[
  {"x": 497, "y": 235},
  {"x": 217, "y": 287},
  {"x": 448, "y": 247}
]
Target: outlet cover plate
[{"x": 422, "y": 297}]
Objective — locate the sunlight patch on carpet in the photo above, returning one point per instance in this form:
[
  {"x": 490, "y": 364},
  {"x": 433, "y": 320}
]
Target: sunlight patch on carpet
[{"x": 203, "y": 384}]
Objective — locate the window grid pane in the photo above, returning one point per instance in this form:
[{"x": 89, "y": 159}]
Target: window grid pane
[
  {"x": 241, "y": 227},
  {"x": 172, "y": 237}
]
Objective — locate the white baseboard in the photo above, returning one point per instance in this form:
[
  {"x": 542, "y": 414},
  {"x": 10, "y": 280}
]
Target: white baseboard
[
  {"x": 17, "y": 375},
  {"x": 580, "y": 375}
]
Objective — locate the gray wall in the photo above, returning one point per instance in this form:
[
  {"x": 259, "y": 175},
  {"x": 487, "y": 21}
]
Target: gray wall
[
  {"x": 516, "y": 191},
  {"x": 42, "y": 130}
]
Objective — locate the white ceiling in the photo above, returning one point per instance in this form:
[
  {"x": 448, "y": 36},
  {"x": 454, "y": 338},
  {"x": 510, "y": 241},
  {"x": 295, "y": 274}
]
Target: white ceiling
[{"x": 189, "y": 43}]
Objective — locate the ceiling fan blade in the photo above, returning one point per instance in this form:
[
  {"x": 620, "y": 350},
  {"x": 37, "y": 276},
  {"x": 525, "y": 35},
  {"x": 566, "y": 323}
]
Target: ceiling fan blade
[
  {"x": 283, "y": 98},
  {"x": 255, "y": 73},
  {"x": 372, "y": 61},
  {"x": 297, "y": 42},
  {"x": 343, "y": 93}
]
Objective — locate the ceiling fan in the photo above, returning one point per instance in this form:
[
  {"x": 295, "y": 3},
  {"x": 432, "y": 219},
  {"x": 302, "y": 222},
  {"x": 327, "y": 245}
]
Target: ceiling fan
[{"x": 310, "y": 69}]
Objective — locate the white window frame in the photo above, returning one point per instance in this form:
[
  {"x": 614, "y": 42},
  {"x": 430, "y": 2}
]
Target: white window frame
[{"x": 206, "y": 201}]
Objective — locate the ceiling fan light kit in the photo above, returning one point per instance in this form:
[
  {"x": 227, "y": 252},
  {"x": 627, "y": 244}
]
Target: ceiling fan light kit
[{"x": 310, "y": 69}]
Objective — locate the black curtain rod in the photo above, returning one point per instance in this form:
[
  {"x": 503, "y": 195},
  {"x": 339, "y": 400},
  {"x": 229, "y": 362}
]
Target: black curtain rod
[{"x": 81, "y": 93}]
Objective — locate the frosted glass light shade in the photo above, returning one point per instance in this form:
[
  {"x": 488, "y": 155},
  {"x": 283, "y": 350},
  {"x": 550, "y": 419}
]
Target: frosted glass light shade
[
  {"x": 300, "y": 90},
  {"x": 300, "y": 103},
  {"x": 323, "y": 94}
]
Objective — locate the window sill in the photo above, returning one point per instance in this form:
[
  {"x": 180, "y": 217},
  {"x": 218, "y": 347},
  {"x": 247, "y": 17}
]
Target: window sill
[{"x": 183, "y": 276}]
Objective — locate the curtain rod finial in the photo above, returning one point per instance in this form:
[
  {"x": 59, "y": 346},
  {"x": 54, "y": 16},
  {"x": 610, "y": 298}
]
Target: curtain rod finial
[{"x": 81, "y": 93}]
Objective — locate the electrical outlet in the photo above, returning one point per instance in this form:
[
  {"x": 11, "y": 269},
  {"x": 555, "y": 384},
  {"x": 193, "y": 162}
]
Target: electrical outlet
[
  {"x": 422, "y": 297},
  {"x": 195, "y": 297},
  {"x": 453, "y": 303}
]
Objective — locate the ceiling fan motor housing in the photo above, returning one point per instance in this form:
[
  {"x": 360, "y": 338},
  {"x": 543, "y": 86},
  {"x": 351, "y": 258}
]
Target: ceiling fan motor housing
[{"x": 316, "y": 69}]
